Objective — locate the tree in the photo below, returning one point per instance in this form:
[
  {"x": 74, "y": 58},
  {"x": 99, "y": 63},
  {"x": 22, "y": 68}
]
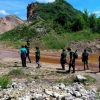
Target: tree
[
  {"x": 86, "y": 18},
  {"x": 92, "y": 20},
  {"x": 62, "y": 18},
  {"x": 78, "y": 24}
]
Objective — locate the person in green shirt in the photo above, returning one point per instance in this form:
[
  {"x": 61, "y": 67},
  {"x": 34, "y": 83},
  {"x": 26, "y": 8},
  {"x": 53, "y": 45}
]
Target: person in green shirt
[
  {"x": 63, "y": 59},
  {"x": 37, "y": 56}
]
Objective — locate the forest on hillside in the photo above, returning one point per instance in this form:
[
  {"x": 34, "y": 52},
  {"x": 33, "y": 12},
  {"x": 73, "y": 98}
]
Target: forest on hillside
[
  {"x": 62, "y": 13},
  {"x": 57, "y": 25}
]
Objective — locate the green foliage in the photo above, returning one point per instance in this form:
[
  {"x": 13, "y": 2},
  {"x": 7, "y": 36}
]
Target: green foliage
[
  {"x": 16, "y": 72},
  {"x": 20, "y": 32},
  {"x": 98, "y": 95},
  {"x": 79, "y": 24},
  {"x": 86, "y": 18},
  {"x": 4, "y": 81},
  {"x": 34, "y": 22},
  {"x": 67, "y": 81},
  {"x": 51, "y": 10},
  {"x": 58, "y": 41},
  {"x": 36, "y": 77},
  {"x": 89, "y": 79},
  {"x": 62, "y": 24}
]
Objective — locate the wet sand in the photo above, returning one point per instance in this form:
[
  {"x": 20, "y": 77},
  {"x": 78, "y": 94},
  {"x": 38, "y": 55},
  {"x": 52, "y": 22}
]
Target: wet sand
[{"x": 53, "y": 57}]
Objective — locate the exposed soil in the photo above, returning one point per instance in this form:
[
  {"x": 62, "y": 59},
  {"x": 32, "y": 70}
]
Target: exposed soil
[{"x": 51, "y": 68}]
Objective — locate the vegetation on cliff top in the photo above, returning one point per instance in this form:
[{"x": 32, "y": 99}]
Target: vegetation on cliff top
[{"x": 59, "y": 23}]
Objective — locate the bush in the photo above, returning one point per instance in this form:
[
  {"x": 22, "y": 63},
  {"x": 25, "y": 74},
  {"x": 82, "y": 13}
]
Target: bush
[{"x": 4, "y": 81}]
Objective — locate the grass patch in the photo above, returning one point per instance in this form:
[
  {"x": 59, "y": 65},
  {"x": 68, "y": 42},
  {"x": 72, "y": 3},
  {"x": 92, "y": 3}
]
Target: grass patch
[
  {"x": 67, "y": 81},
  {"x": 36, "y": 77},
  {"x": 16, "y": 72},
  {"x": 98, "y": 95},
  {"x": 58, "y": 41},
  {"x": 4, "y": 81},
  {"x": 89, "y": 79}
]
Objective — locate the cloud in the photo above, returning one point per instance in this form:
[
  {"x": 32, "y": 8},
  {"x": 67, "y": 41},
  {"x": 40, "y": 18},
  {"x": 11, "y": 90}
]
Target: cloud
[
  {"x": 45, "y": 0},
  {"x": 97, "y": 12},
  {"x": 3, "y": 12}
]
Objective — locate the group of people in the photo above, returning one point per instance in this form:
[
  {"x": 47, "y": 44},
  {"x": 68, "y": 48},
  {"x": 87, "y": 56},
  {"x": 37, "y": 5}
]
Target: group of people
[
  {"x": 72, "y": 57},
  {"x": 24, "y": 53}
]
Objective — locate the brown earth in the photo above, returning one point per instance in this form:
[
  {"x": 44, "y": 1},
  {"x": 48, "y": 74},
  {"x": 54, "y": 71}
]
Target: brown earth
[
  {"x": 91, "y": 46},
  {"x": 9, "y": 22},
  {"x": 51, "y": 68}
]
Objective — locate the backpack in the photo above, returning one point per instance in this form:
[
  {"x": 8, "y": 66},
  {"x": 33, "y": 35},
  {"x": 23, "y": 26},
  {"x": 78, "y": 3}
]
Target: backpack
[
  {"x": 75, "y": 55},
  {"x": 85, "y": 55}
]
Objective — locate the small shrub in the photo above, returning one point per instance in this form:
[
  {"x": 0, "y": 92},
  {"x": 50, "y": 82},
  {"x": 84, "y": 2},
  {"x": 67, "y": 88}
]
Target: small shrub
[
  {"x": 36, "y": 77},
  {"x": 59, "y": 81},
  {"x": 90, "y": 79},
  {"x": 98, "y": 95},
  {"x": 16, "y": 72},
  {"x": 4, "y": 81}
]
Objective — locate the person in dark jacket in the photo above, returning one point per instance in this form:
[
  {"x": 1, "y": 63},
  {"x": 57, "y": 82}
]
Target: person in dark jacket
[
  {"x": 28, "y": 43},
  {"x": 23, "y": 53},
  {"x": 27, "y": 54},
  {"x": 72, "y": 60},
  {"x": 85, "y": 59},
  {"x": 37, "y": 56},
  {"x": 63, "y": 59}
]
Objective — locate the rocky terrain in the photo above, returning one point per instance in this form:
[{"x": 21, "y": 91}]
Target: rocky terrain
[
  {"x": 9, "y": 22},
  {"x": 31, "y": 11},
  {"x": 46, "y": 83},
  {"x": 91, "y": 46}
]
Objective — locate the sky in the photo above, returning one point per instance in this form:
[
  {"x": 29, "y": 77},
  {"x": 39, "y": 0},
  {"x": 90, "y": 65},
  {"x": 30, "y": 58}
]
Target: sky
[{"x": 18, "y": 7}]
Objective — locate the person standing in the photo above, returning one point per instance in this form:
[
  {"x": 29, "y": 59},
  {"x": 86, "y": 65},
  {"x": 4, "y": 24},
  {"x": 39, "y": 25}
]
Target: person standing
[
  {"x": 28, "y": 43},
  {"x": 99, "y": 63},
  {"x": 72, "y": 60},
  {"x": 63, "y": 59},
  {"x": 85, "y": 59},
  {"x": 37, "y": 56},
  {"x": 23, "y": 53},
  {"x": 27, "y": 54}
]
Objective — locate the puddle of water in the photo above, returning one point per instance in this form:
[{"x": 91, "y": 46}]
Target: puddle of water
[
  {"x": 9, "y": 54},
  {"x": 53, "y": 58}
]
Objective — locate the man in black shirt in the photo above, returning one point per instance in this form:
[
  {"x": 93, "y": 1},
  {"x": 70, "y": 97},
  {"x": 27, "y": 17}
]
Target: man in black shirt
[
  {"x": 85, "y": 59},
  {"x": 72, "y": 60}
]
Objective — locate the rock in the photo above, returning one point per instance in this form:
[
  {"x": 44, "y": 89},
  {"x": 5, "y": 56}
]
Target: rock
[
  {"x": 14, "y": 85},
  {"x": 48, "y": 92},
  {"x": 67, "y": 98},
  {"x": 83, "y": 92},
  {"x": 93, "y": 90},
  {"x": 36, "y": 95},
  {"x": 56, "y": 95},
  {"x": 80, "y": 78},
  {"x": 77, "y": 94},
  {"x": 61, "y": 86},
  {"x": 27, "y": 90}
]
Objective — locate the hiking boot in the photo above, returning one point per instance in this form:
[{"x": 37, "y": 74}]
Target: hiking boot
[
  {"x": 68, "y": 71},
  {"x": 87, "y": 68}
]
